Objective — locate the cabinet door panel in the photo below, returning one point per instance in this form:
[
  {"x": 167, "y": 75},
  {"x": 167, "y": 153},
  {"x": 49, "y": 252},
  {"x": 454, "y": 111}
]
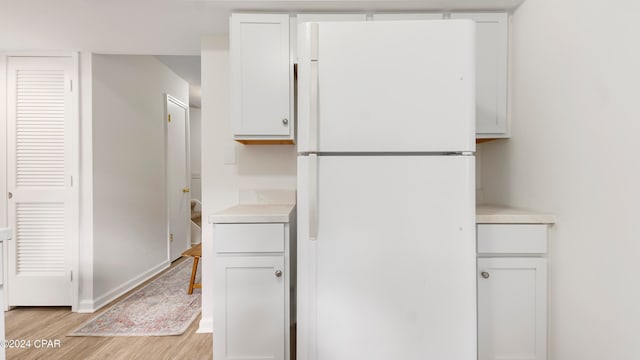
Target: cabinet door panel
[
  {"x": 249, "y": 305},
  {"x": 512, "y": 307},
  {"x": 260, "y": 74},
  {"x": 491, "y": 71}
]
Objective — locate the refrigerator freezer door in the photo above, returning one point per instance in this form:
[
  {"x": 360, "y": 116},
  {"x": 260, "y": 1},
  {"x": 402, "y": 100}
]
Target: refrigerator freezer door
[
  {"x": 391, "y": 274},
  {"x": 388, "y": 86}
]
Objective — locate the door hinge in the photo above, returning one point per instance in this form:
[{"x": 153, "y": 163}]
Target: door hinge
[
  {"x": 170, "y": 237},
  {"x": 71, "y": 181},
  {"x": 169, "y": 117},
  {"x": 70, "y": 275},
  {"x": 71, "y": 85}
]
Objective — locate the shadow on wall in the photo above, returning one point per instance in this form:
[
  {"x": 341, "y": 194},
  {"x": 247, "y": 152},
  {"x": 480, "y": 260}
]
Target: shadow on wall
[{"x": 266, "y": 159}]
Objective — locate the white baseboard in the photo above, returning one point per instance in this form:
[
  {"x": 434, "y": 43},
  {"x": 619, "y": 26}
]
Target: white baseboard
[
  {"x": 86, "y": 306},
  {"x": 122, "y": 289},
  {"x": 206, "y": 326}
]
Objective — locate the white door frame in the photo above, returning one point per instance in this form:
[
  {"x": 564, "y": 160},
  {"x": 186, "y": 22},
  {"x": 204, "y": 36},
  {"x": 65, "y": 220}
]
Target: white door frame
[
  {"x": 75, "y": 167},
  {"x": 167, "y": 98}
]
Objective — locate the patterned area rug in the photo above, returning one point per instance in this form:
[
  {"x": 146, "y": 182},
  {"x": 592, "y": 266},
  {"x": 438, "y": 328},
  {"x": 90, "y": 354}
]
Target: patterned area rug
[{"x": 160, "y": 308}]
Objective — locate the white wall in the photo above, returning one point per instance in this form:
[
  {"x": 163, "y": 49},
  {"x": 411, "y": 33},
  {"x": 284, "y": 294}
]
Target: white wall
[
  {"x": 129, "y": 181},
  {"x": 255, "y": 167},
  {"x": 195, "y": 130},
  {"x": 576, "y": 120}
]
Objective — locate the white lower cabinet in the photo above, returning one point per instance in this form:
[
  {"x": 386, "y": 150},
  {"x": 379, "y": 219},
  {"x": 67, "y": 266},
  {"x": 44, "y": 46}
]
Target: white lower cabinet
[
  {"x": 512, "y": 308},
  {"x": 251, "y": 292},
  {"x": 512, "y": 292},
  {"x": 250, "y": 323}
]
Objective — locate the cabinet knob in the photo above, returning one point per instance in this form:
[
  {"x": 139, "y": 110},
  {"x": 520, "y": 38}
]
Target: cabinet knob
[
  {"x": 278, "y": 273},
  {"x": 485, "y": 274},
  {"x": 285, "y": 121}
]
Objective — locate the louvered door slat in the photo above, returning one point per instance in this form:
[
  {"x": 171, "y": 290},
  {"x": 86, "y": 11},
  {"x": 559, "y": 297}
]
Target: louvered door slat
[
  {"x": 43, "y": 93},
  {"x": 40, "y": 245}
]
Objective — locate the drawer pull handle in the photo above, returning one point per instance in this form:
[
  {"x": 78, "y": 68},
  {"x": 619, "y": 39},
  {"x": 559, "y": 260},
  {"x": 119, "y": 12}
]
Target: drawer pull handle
[
  {"x": 278, "y": 273},
  {"x": 485, "y": 274}
]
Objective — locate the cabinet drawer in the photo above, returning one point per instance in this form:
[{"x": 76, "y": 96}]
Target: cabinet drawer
[
  {"x": 512, "y": 238},
  {"x": 244, "y": 238}
]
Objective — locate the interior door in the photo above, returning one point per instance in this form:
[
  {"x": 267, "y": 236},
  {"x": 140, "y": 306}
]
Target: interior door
[
  {"x": 178, "y": 177},
  {"x": 42, "y": 155}
]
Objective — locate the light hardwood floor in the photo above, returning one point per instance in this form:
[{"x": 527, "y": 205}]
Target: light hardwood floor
[{"x": 54, "y": 323}]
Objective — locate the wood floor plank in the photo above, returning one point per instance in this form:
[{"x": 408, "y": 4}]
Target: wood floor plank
[{"x": 54, "y": 323}]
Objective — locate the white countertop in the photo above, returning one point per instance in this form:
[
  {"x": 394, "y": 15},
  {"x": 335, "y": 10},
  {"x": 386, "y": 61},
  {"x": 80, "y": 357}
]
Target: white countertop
[
  {"x": 280, "y": 213},
  {"x": 5, "y": 234},
  {"x": 254, "y": 213},
  {"x": 492, "y": 214}
]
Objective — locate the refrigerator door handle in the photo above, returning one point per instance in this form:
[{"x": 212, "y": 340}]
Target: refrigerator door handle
[
  {"x": 313, "y": 197},
  {"x": 314, "y": 92}
]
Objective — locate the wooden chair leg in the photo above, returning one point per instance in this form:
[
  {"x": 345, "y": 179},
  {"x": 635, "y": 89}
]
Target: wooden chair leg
[{"x": 193, "y": 274}]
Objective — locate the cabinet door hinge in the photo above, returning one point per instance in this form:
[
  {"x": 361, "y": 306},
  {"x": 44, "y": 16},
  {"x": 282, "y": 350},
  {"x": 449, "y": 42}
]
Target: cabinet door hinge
[{"x": 70, "y": 275}]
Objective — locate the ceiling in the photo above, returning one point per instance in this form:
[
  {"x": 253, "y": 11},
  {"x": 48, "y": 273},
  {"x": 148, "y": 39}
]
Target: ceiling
[
  {"x": 167, "y": 27},
  {"x": 148, "y": 26}
]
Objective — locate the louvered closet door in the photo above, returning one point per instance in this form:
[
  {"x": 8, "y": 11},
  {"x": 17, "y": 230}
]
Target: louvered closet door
[{"x": 40, "y": 158}]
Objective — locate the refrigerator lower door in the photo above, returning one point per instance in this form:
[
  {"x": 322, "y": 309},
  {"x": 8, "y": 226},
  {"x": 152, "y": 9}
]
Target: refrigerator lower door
[{"x": 391, "y": 274}]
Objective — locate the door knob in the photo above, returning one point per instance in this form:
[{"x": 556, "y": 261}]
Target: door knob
[
  {"x": 285, "y": 121},
  {"x": 186, "y": 190},
  {"x": 278, "y": 273},
  {"x": 485, "y": 274}
]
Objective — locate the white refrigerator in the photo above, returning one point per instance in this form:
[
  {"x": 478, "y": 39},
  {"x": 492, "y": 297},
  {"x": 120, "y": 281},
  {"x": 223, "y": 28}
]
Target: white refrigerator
[{"x": 386, "y": 191}]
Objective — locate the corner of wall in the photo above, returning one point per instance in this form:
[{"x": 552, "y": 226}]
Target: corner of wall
[
  {"x": 104, "y": 299},
  {"x": 85, "y": 270}
]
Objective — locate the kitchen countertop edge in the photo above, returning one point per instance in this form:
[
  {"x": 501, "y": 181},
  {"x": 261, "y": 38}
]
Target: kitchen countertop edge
[
  {"x": 495, "y": 214},
  {"x": 253, "y": 213},
  {"x": 281, "y": 213}
]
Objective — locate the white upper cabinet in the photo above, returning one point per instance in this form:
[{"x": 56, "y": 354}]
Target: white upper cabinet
[
  {"x": 301, "y": 18},
  {"x": 260, "y": 78},
  {"x": 491, "y": 72},
  {"x": 264, "y": 51},
  {"x": 408, "y": 16}
]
